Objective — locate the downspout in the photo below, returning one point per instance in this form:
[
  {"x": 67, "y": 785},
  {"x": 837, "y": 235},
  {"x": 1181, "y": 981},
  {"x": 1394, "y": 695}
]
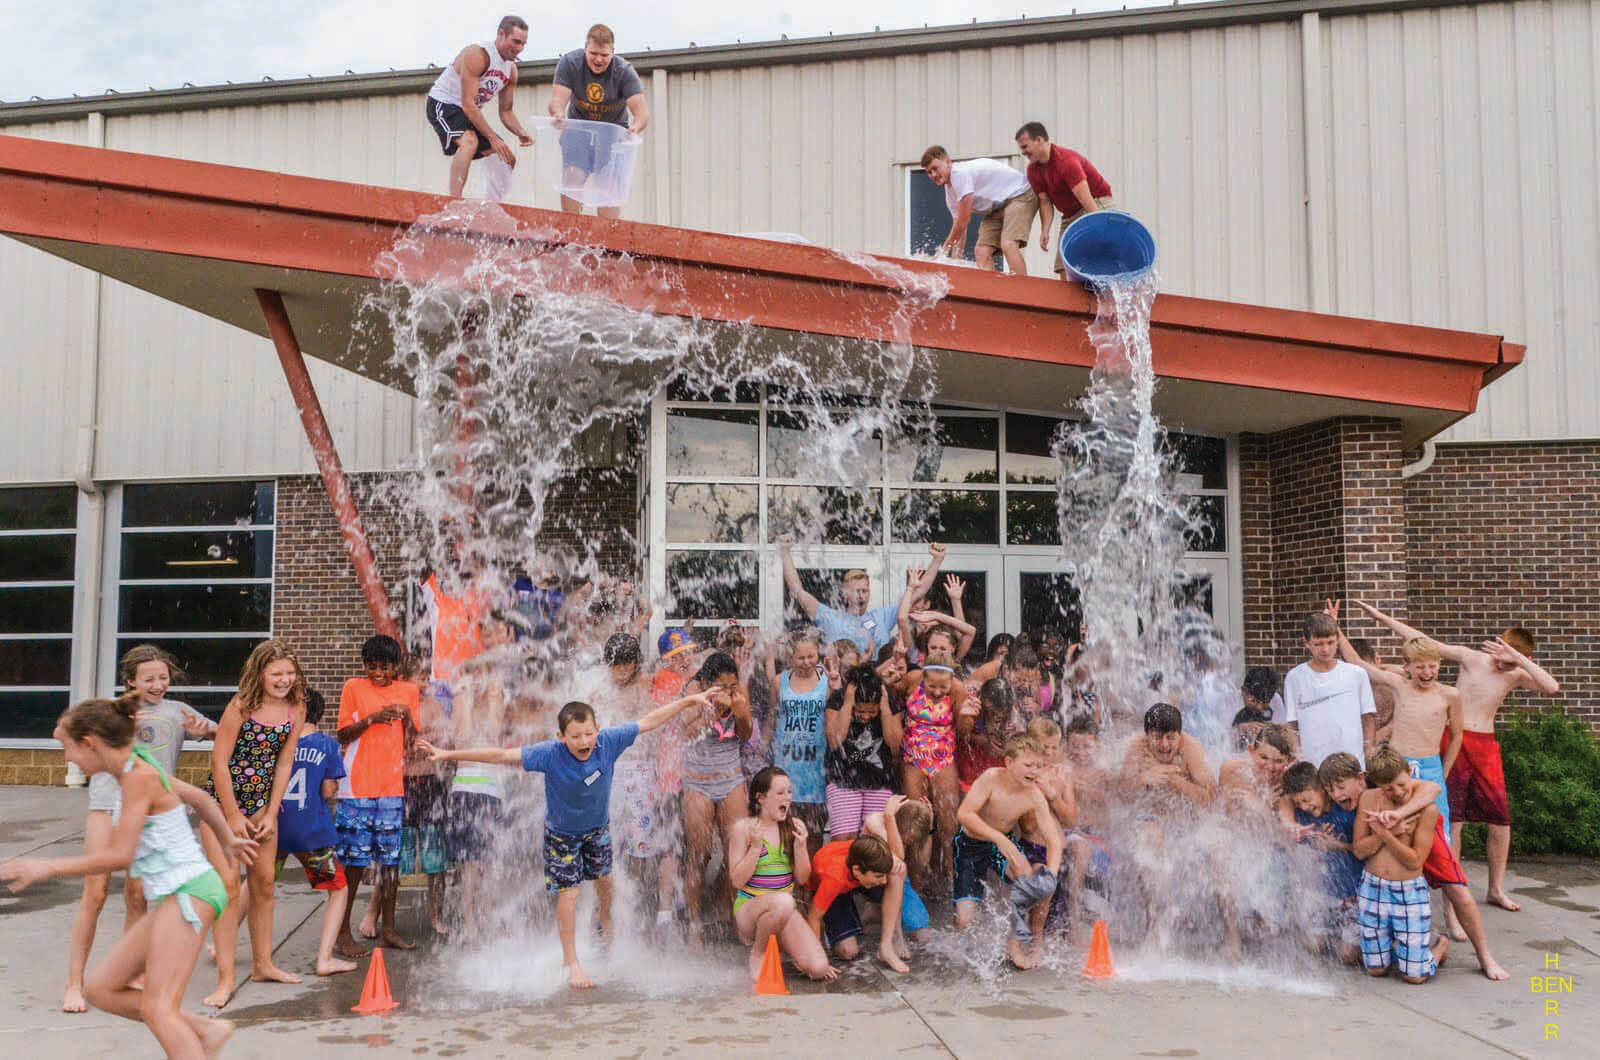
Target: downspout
[
  {"x": 92, "y": 500},
  {"x": 1423, "y": 463}
]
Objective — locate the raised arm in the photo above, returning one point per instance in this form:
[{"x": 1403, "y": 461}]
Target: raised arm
[
  {"x": 923, "y": 584},
  {"x": 1534, "y": 677},
  {"x": 494, "y": 756},
  {"x": 1376, "y": 674},
  {"x": 836, "y": 723},
  {"x": 791, "y": 578},
  {"x": 661, "y": 715},
  {"x": 1454, "y": 652}
]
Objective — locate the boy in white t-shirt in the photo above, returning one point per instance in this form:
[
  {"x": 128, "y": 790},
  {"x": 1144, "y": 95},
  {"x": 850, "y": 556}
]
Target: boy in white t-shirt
[
  {"x": 1329, "y": 701},
  {"x": 989, "y": 189}
]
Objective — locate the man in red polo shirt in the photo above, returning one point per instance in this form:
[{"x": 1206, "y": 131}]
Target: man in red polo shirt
[{"x": 1064, "y": 180}]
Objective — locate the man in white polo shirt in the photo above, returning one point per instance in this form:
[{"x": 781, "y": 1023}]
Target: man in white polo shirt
[{"x": 990, "y": 190}]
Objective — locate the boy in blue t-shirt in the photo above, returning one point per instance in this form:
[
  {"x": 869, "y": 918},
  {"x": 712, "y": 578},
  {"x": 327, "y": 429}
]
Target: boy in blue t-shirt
[
  {"x": 578, "y": 767},
  {"x": 1320, "y": 822},
  {"x": 305, "y": 827}
]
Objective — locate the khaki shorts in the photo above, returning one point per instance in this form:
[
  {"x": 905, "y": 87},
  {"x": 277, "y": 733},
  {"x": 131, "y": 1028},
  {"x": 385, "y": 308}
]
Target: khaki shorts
[
  {"x": 1104, "y": 202},
  {"x": 1011, "y": 220}
]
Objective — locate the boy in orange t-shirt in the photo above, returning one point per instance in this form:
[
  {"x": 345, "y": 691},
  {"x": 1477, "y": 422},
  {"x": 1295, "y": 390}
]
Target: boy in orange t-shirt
[
  {"x": 843, "y": 866},
  {"x": 374, "y": 714}
]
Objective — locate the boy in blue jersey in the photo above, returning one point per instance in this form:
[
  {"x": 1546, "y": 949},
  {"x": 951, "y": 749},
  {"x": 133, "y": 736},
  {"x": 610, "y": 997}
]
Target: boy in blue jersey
[
  {"x": 1323, "y": 824},
  {"x": 578, "y": 769},
  {"x": 305, "y": 827}
]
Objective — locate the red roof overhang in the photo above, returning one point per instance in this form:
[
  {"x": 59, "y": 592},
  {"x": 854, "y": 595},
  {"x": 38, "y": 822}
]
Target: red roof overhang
[{"x": 206, "y": 235}]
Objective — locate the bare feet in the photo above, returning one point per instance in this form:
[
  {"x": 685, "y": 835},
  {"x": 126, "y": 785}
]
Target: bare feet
[
  {"x": 692, "y": 935},
  {"x": 220, "y": 997},
  {"x": 755, "y": 961},
  {"x": 334, "y": 965},
  {"x": 577, "y": 978},
  {"x": 440, "y": 928},
  {"x": 1019, "y": 957},
  {"x": 892, "y": 961},
  {"x": 1441, "y": 949},
  {"x": 213, "y": 1035},
  {"x": 72, "y": 1000},
  {"x": 829, "y": 974},
  {"x": 272, "y": 974},
  {"x": 391, "y": 939},
  {"x": 1492, "y": 969},
  {"x": 369, "y": 923},
  {"x": 347, "y": 946},
  {"x": 1503, "y": 900}
]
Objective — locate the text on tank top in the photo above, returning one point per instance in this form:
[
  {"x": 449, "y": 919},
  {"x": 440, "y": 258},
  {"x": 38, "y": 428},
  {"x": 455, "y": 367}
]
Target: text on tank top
[{"x": 447, "y": 87}]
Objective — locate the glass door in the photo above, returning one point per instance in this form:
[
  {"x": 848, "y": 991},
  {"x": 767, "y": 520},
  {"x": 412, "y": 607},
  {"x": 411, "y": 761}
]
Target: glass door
[{"x": 980, "y": 580}]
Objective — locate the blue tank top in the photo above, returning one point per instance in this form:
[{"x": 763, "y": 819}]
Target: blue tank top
[{"x": 800, "y": 745}]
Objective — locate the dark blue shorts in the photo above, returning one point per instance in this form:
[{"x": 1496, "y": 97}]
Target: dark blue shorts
[
  {"x": 974, "y": 859},
  {"x": 843, "y": 921},
  {"x": 369, "y": 831},
  {"x": 569, "y": 860}
]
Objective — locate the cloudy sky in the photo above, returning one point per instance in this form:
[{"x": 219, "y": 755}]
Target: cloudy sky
[{"x": 87, "y": 46}]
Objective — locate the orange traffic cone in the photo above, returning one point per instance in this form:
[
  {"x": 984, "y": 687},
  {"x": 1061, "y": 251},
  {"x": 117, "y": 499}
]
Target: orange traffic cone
[
  {"x": 770, "y": 981},
  {"x": 375, "y": 995},
  {"x": 1098, "y": 966}
]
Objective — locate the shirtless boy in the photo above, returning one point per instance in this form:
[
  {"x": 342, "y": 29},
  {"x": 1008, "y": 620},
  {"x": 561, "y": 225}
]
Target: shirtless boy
[
  {"x": 1478, "y": 784},
  {"x": 1393, "y": 903},
  {"x": 1168, "y": 760},
  {"x": 1003, "y": 801}
]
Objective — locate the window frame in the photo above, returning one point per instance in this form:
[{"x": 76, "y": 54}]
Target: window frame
[{"x": 70, "y": 635}]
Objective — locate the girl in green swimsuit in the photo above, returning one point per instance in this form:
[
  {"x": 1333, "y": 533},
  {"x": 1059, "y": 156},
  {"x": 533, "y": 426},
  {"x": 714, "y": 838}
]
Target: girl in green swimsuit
[
  {"x": 152, "y": 840},
  {"x": 771, "y": 858}
]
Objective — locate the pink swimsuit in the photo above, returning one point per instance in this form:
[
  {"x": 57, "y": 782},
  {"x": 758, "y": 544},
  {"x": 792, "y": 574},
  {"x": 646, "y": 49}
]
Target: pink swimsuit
[{"x": 929, "y": 742}]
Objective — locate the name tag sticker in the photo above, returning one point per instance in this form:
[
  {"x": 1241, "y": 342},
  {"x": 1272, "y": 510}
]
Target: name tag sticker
[{"x": 591, "y": 778}]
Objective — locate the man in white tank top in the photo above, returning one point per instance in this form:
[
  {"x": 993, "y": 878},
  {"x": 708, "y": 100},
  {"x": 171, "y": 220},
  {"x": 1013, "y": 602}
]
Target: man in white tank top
[{"x": 480, "y": 73}]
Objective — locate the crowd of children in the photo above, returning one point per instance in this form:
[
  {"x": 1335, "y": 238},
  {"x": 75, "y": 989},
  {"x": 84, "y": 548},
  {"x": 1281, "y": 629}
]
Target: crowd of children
[{"x": 855, "y": 758}]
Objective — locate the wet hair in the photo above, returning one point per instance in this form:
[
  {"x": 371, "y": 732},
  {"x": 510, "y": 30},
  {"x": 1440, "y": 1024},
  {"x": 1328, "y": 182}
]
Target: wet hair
[
  {"x": 855, "y": 574},
  {"x": 601, "y": 34},
  {"x": 731, "y": 637},
  {"x": 716, "y": 664},
  {"x": 1163, "y": 718},
  {"x": 1319, "y": 624},
  {"x": 885, "y": 653},
  {"x": 1034, "y": 130},
  {"x": 1519, "y": 639},
  {"x": 1022, "y": 743},
  {"x": 575, "y": 711},
  {"x": 1364, "y": 649},
  {"x": 1083, "y": 725},
  {"x": 1420, "y": 649},
  {"x": 996, "y": 694},
  {"x": 868, "y": 853},
  {"x": 315, "y": 705},
  {"x": 1341, "y": 765},
  {"x": 1023, "y": 658},
  {"x": 869, "y": 686},
  {"x": 1043, "y": 729},
  {"x": 940, "y": 658},
  {"x": 108, "y": 720},
  {"x": 1302, "y": 776},
  {"x": 252, "y": 690},
  {"x": 511, "y": 22},
  {"x": 938, "y": 629},
  {"x": 998, "y": 641},
  {"x": 137, "y": 656},
  {"x": 1277, "y": 738},
  {"x": 805, "y": 636},
  {"x": 1385, "y": 765},
  {"x": 845, "y": 646},
  {"x": 381, "y": 650},
  {"x": 914, "y": 822},
  {"x": 932, "y": 153},
  {"x": 761, "y": 784},
  {"x": 1262, "y": 683},
  {"x": 622, "y": 649}
]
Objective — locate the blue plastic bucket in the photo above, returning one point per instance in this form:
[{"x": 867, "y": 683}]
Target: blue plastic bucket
[{"x": 1107, "y": 246}]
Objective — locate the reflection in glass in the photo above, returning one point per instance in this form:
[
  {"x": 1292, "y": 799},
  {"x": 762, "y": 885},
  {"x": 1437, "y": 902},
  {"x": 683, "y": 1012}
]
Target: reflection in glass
[
  {"x": 1028, "y": 442},
  {"x": 37, "y": 558},
  {"x": 1049, "y": 602},
  {"x": 828, "y": 515},
  {"x": 205, "y": 660},
  {"x": 197, "y": 554},
  {"x": 35, "y": 662},
  {"x": 1193, "y": 590},
  {"x": 953, "y": 517},
  {"x": 1209, "y": 532},
  {"x": 36, "y": 611},
  {"x": 956, "y": 449},
  {"x": 712, "y": 585},
  {"x": 39, "y": 508},
  {"x": 712, "y": 443},
  {"x": 31, "y": 715},
  {"x": 681, "y": 389},
  {"x": 197, "y": 503},
  {"x": 1202, "y": 463},
  {"x": 717, "y": 512},
  {"x": 1031, "y": 519},
  {"x": 789, "y": 434},
  {"x": 221, "y": 608}
]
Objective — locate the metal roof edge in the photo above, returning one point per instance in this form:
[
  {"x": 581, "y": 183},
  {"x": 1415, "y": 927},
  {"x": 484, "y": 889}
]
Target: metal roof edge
[{"x": 764, "y": 53}]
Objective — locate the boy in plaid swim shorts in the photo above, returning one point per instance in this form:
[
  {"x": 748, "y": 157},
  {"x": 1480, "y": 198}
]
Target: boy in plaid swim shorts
[{"x": 1392, "y": 900}]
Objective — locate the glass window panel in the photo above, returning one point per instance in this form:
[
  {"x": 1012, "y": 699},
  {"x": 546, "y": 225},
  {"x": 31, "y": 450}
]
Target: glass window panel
[
  {"x": 31, "y": 715},
  {"x": 35, "y": 662},
  {"x": 712, "y": 585},
  {"x": 681, "y": 389},
  {"x": 41, "y": 558},
  {"x": 1028, "y": 442},
  {"x": 1210, "y": 532},
  {"x": 36, "y": 610},
  {"x": 39, "y": 508},
  {"x": 712, "y": 512},
  {"x": 829, "y": 515},
  {"x": 197, "y": 503},
  {"x": 205, "y": 660},
  {"x": 974, "y": 601},
  {"x": 218, "y": 608},
  {"x": 1194, "y": 590},
  {"x": 1048, "y": 602},
  {"x": 1031, "y": 519},
  {"x": 953, "y": 517},
  {"x": 930, "y": 217},
  {"x": 213, "y": 701},
  {"x": 961, "y": 449},
  {"x": 220, "y": 555},
  {"x": 789, "y": 433},
  {"x": 1202, "y": 463},
  {"x": 712, "y": 442}
]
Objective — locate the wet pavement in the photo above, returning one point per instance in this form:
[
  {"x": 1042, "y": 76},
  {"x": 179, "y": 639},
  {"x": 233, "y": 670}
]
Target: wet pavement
[{"x": 661, "y": 1005}]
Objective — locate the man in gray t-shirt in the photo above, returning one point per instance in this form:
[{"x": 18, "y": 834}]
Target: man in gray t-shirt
[{"x": 595, "y": 84}]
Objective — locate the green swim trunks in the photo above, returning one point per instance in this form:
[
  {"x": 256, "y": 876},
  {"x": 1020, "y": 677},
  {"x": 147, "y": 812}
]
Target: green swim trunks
[{"x": 206, "y": 887}]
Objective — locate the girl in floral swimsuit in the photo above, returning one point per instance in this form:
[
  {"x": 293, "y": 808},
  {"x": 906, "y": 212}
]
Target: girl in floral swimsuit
[{"x": 928, "y": 749}]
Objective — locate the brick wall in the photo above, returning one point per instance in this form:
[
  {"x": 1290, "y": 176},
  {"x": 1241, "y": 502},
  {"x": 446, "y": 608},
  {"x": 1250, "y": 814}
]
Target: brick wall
[{"x": 1501, "y": 535}]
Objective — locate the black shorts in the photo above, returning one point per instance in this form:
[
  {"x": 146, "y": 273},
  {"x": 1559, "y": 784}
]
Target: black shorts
[
  {"x": 475, "y": 822},
  {"x": 449, "y": 122}
]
